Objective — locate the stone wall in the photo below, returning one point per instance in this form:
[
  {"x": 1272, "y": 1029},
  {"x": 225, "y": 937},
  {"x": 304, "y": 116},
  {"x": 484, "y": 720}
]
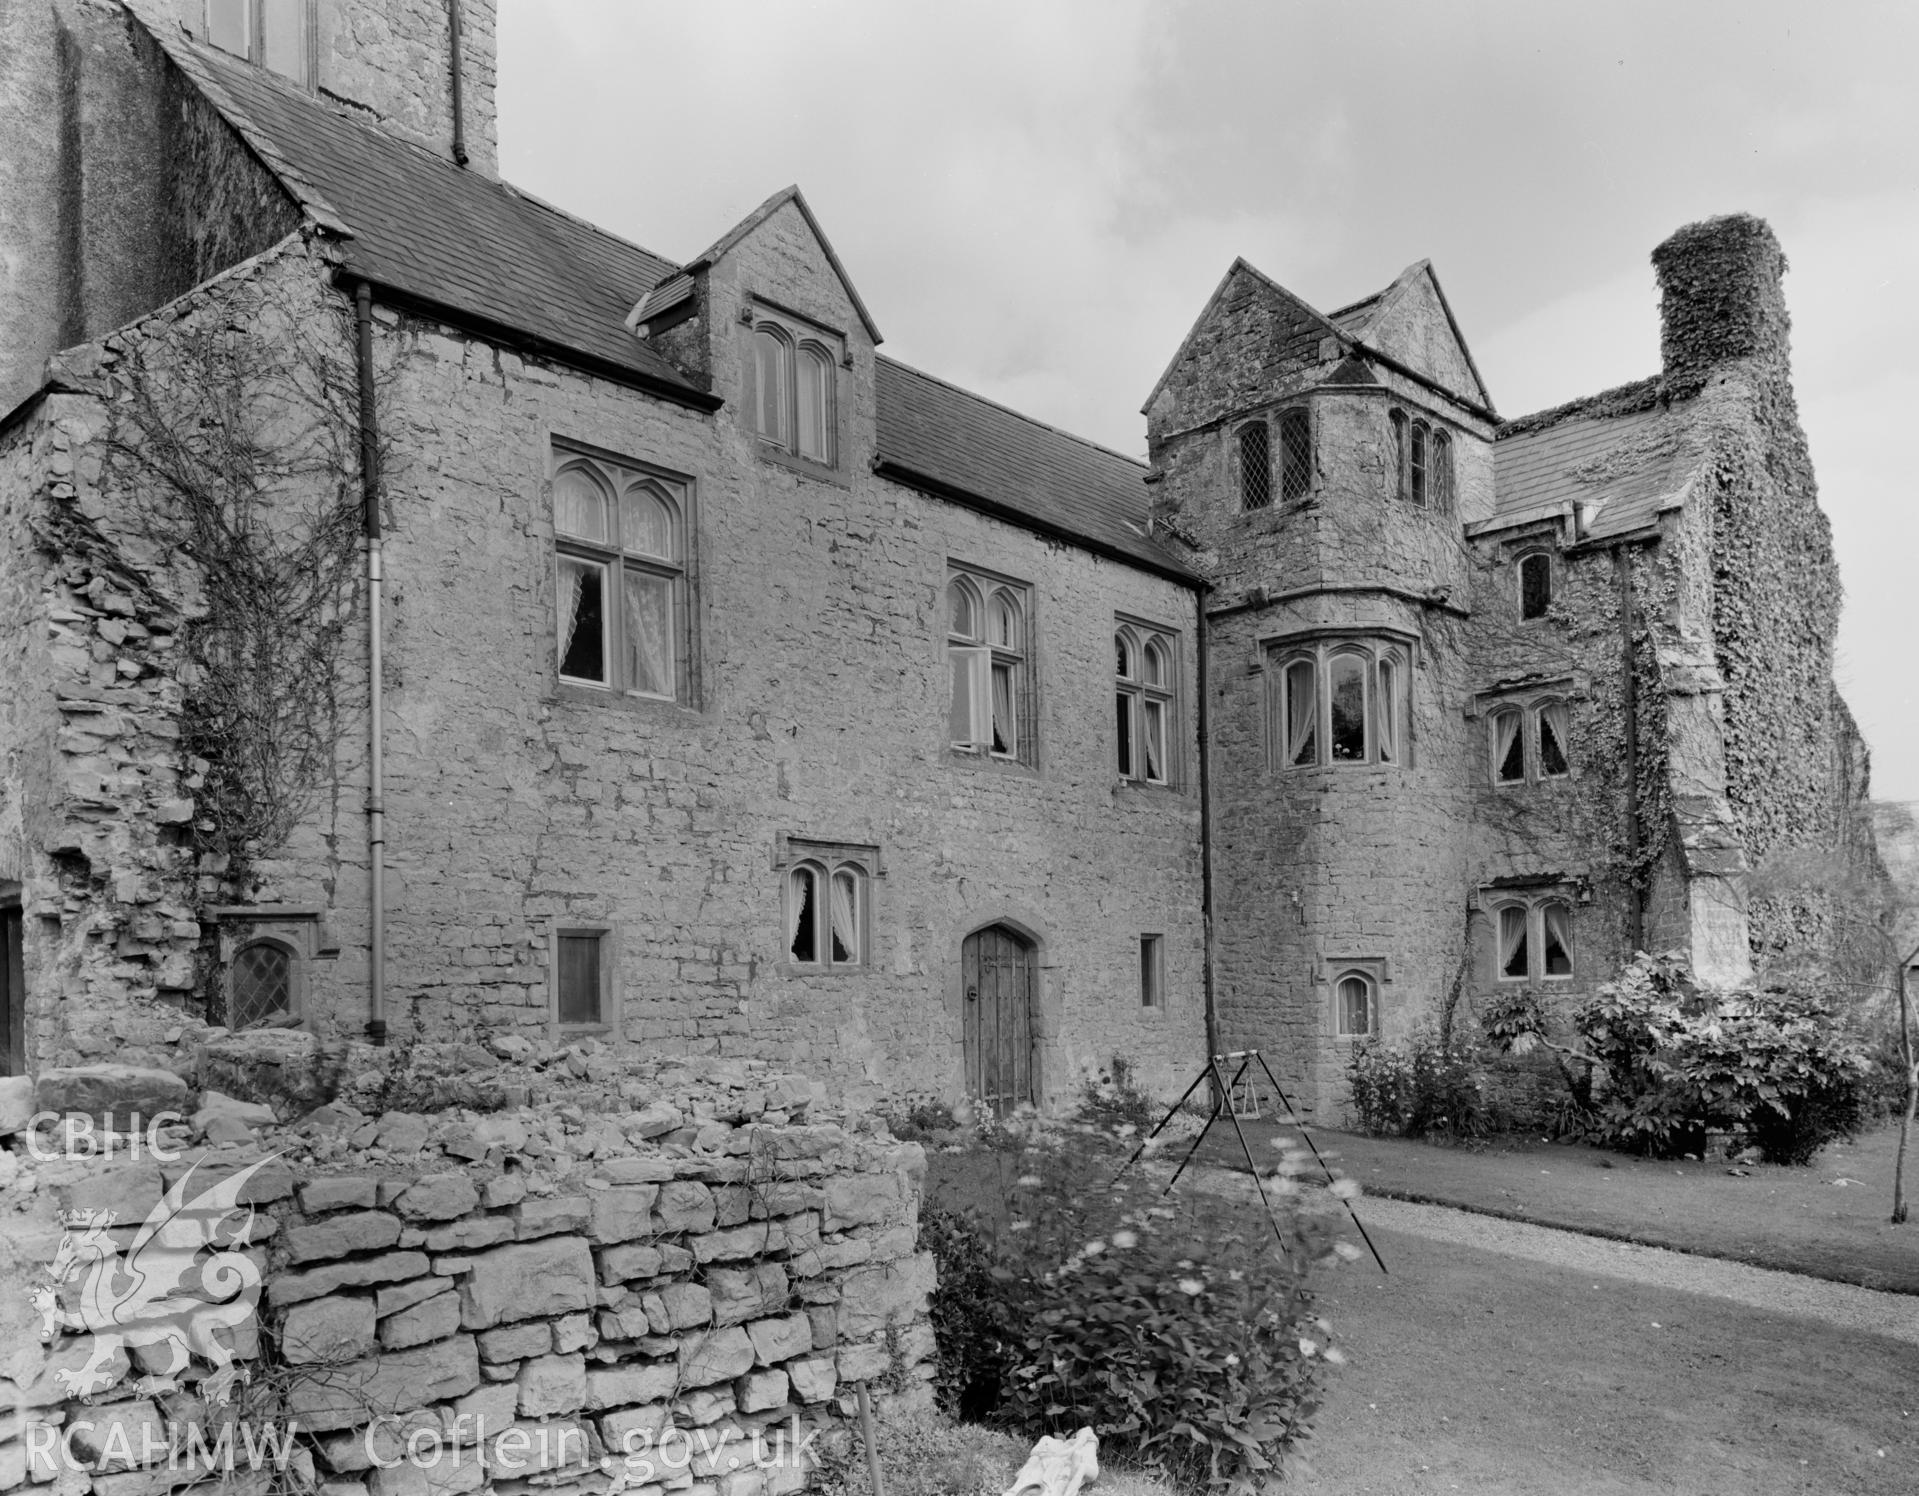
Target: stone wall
[
  {"x": 533, "y": 1292},
  {"x": 517, "y": 804},
  {"x": 119, "y": 188},
  {"x": 393, "y": 57}
]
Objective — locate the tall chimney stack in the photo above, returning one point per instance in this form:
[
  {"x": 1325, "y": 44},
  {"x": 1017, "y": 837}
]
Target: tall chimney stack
[{"x": 1720, "y": 299}]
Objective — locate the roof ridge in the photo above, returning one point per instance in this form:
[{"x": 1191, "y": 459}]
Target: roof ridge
[
  {"x": 1620, "y": 400},
  {"x": 1073, "y": 436}
]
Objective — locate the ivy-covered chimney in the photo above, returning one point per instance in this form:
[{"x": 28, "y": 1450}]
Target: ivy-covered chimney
[{"x": 1720, "y": 299}]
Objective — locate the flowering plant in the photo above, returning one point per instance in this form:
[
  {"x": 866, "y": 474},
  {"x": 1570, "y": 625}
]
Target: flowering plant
[{"x": 1179, "y": 1326}]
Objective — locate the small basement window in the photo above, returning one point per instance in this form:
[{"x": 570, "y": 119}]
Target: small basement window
[{"x": 260, "y": 986}]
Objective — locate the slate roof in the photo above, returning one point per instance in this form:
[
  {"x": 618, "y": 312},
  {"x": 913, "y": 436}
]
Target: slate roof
[
  {"x": 419, "y": 226},
  {"x": 1632, "y": 466},
  {"x": 1357, "y": 319},
  {"x": 434, "y": 232},
  {"x": 967, "y": 446}
]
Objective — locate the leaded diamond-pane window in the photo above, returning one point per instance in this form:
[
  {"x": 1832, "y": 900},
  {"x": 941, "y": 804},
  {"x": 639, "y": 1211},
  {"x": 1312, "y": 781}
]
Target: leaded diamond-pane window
[
  {"x": 260, "y": 986},
  {"x": 1255, "y": 467},
  {"x": 1295, "y": 454}
]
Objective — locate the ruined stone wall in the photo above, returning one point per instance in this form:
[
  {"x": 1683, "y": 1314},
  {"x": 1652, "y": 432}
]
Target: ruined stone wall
[
  {"x": 96, "y": 801},
  {"x": 537, "y": 1291}
]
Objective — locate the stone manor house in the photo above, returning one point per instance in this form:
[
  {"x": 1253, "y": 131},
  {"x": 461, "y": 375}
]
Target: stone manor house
[{"x": 694, "y": 676}]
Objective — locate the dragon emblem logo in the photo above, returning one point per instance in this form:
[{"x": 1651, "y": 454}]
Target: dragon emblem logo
[{"x": 184, "y": 1277}]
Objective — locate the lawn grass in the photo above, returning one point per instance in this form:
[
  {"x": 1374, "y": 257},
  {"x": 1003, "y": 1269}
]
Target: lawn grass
[{"x": 1796, "y": 1219}]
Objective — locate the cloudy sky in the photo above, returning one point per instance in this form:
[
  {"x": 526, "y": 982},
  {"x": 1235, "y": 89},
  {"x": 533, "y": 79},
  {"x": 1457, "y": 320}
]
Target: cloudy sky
[{"x": 1036, "y": 198}]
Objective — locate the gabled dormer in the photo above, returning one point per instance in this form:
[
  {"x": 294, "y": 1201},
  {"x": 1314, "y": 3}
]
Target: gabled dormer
[{"x": 770, "y": 321}]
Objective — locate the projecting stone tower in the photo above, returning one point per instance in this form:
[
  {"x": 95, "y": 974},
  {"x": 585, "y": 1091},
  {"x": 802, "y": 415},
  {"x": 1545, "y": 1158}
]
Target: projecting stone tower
[{"x": 1323, "y": 468}]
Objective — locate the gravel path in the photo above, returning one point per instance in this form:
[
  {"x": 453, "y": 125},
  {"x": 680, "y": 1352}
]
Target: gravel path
[{"x": 1841, "y": 1305}]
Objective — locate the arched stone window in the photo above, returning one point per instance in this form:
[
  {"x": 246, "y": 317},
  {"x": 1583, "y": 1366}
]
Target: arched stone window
[
  {"x": 1531, "y": 740},
  {"x": 1339, "y": 702},
  {"x": 1535, "y": 575},
  {"x": 1355, "y": 1009},
  {"x": 793, "y": 402},
  {"x": 1143, "y": 703},
  {"x": 826, "y": 914},
  {"x": 1425, "y": 461},
  {"x": 987, "y": 650},
  {"x": 620, "y": 585},
  {"x": 1535, "y": 940}
]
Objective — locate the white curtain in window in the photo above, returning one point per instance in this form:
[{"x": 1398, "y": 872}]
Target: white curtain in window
[
  {"x": 1559, "y": 940},
  {"x": 1005, "y": 728},
  {"x": 1512, "y": 942},
  {"x": 1005, "y": 622},
  {"x": 961, "y": 618},
  {"x": 1155, "y": 744},
  {"x": 579, "y": 506},
  {"x": 769, "y": 372},
  {"x": 1507, "y": 764},
  {"x": 812, "y": 387},
  {"x": 1302, "y": 713},
  {"x": 1387, "y": 705},
  {"x": 646, "y": 524},
  {"x": 799, "y": 898},
  {"x": 649, "y": 633},
  {"x": 572, "y": 585},
  {"x": 1155, "y": 666},
  {"x": 1555, "y": 718},
  {"x": 845, "y": 904},
  {"x": 1354, "y": 1014},
  {"x": 964, "y": 722}
]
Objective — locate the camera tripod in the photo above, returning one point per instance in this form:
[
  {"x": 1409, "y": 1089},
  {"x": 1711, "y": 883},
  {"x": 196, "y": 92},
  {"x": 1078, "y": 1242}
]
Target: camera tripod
[{"x": 1223, "y": 1090}]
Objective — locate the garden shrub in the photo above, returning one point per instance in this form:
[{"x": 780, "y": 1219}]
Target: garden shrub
[
  {"x": 1176, "y": 1326},
  {"x": 1679, "y": 1063},
  {"x": 1427, "y": 1088}
]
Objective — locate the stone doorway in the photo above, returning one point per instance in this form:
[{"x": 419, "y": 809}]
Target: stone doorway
[
  {"x": 998, "y": 970},
  {"x": 13, "y": 995}
]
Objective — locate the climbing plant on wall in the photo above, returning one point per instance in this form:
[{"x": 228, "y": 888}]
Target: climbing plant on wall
[{"x": 233, "y": 459}]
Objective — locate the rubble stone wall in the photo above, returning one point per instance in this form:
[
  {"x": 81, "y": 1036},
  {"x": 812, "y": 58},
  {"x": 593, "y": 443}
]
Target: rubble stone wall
[{"x": 537, "y": 1291}]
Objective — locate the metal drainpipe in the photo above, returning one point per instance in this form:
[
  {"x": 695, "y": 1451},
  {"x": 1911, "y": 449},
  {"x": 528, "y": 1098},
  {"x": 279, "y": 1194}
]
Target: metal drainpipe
[
  {"x": 458, "y": 52},
  {"x": 376, "y": 736},
  {"x": 1206, "y": 835},
  {"x": 1629, "y": 704}
]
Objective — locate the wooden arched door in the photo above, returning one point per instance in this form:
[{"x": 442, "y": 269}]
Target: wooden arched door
[{"x": 998, "y": 976}]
